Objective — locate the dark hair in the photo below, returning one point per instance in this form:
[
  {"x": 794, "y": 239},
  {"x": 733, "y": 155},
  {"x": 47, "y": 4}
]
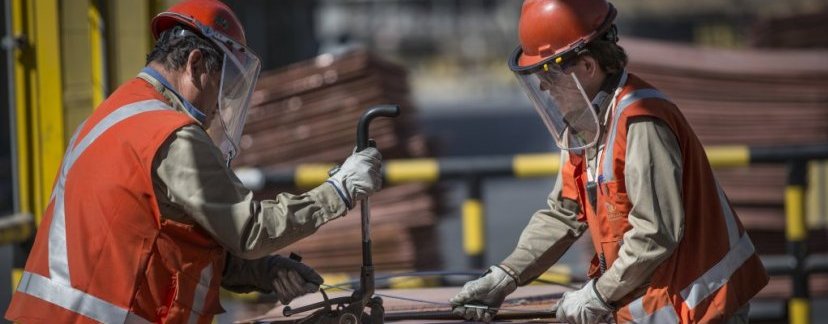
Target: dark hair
[
  {"x": 173, "y": 48},
  {"x": 611, "y": 57}
]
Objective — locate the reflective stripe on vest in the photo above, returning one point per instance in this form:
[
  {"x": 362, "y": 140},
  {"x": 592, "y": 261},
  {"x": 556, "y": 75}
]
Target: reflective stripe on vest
[
  {"x": 75, "y": 300},
  {"x": 717, "y": 276},
  {"x": 665, "y": 314},
  {"x": 741, "y": 248},
  {"x": 625, "y": 102},
  {"x": 200, "y": 295},
  {"x": 58, "y": 263},
  {"x": 57, "y": 289},
  {"x": 730, "y": 220}
]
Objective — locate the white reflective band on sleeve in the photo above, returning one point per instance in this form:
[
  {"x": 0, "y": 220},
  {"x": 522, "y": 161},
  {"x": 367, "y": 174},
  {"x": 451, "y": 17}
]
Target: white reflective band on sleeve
[
  {"x": 717, "y": 276},
  {"x": 58, "y": 254},
  {"x": 630, "y": 98},
  {"x": 200, "y": 295},
  {"x": 75, "y": 300},
  {"x": 730, "y": 220}
]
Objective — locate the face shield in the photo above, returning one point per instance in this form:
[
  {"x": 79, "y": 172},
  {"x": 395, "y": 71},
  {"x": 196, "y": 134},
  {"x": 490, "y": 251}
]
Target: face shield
[
  {"x": 239, "y": 74},
  {"x": 560, "y": 101}
]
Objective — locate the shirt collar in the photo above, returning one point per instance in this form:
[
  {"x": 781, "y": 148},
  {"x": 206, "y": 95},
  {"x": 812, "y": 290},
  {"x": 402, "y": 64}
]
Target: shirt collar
[{"x": 186, "y": 105}]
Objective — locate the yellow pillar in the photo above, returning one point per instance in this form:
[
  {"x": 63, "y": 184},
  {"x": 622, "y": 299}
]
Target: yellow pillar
[
  {"x": 39, "y": 110},
  {"x": 38, "y": 107},
  {"x": 128, "y": 38},
  {"x": 76, "y": 51},
  {"x": 97, "y": 44}
]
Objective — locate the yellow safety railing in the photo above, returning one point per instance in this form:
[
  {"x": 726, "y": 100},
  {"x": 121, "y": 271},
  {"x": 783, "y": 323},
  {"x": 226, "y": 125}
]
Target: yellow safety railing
[{"x": 474, "y": 169}]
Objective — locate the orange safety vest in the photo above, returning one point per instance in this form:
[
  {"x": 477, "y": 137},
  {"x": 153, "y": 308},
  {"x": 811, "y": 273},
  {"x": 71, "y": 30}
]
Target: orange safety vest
[
  {"x": 103, "y": 252},
  {"x": 714, "y": 270}
]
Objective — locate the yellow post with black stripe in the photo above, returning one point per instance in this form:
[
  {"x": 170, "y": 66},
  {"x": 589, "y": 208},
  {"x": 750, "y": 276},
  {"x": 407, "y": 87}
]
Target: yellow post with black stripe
[
  {"x": 796, "y": 233},
  {"x": 474, "y": 225}
]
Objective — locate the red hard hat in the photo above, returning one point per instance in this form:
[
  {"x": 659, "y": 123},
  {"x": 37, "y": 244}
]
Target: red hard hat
[
  {"x": 552, "y": 27},
  {"x": 210, "y": 13}
]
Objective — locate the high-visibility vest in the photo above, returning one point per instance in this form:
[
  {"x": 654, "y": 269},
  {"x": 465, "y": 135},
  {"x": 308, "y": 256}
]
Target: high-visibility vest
[
  {"x": 103, "y": 252},
  {"x": 714, "y": 270}
]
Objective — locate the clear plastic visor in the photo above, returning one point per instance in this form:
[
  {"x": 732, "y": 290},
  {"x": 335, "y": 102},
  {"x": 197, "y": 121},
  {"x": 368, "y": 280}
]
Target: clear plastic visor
[
  {"x": 563, "y": 105},
  {"x": 239, "y": 74}
]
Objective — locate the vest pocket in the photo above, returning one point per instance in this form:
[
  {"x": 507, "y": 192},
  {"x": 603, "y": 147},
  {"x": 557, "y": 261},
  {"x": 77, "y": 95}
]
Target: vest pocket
[{"x": 615, "y": 206}]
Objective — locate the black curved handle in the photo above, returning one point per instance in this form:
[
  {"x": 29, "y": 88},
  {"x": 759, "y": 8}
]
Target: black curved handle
[{"x": 365, "y": 122}]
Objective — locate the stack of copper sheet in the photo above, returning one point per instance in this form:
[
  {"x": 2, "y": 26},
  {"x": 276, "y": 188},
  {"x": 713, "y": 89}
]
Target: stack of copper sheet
[
  {"x": 798, "y": 31},
  {"x": 753, "y": 97},
  {"x": 308, "y": 112}
]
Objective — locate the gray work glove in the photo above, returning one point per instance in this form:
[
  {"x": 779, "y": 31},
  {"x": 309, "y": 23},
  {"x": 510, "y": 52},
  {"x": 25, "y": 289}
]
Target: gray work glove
[
  {"x": 582, "y": 306},
  {"x": 489, "y": 290},
  {"x": 358, "y": 177}
]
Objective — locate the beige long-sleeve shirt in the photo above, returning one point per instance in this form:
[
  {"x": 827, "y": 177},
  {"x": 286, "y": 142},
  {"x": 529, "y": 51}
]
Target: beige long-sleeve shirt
[
  {"x": 653, "y": 175},
  {"x": 193, "y": 185}
]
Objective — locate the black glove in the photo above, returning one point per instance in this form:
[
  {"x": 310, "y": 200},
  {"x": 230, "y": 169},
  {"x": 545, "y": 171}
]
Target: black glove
[{"x": 287, "y": 278}]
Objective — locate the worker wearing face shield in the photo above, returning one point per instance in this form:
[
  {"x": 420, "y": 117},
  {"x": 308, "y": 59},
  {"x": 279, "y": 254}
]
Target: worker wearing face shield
[
  {"x": 669, "y": 247},
  {"x": 146, "y": 220}
]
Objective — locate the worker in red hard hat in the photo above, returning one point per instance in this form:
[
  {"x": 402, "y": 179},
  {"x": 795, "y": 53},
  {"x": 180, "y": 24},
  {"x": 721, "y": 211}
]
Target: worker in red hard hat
[
  {"x": 669, "y": 246},
  {"x": 146, "y": 221}
]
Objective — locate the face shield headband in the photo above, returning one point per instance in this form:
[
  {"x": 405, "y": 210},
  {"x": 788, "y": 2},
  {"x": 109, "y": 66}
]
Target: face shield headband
[
  {"x": 560, "y": 99},
  {"x": 239, "y": 74}
]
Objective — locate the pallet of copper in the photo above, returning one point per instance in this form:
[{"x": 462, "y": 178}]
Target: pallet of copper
[
  {"x": 404, "y": 206},
  {"x": 780, "y": 287},
  {"x": 694, "y": 59},
  {"x": 343, "y": 99},
  {"x": 745, "y": 97},
  {"x": 275, "y": 140},
  {"x": 773, "y": 241},
  {"x": 333, "y": 106},
  {"x": 392, "y": 250},
  {"x": 402, "y": 219},
  {"x": 325, "y": 70},
  {"x": 273, "y": 91},
  {"x": 299, "y": 138},
  {"x": 796, "y": 31},
  {"x": 732, "y": 87}
]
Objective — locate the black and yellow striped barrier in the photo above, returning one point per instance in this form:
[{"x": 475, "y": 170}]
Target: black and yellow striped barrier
[
  {"x": 431, "y": 170},
  {"x": 475, "y": 169},
  {"x": 474, "y": 225},
  {"x": 796, "y": 233}
]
